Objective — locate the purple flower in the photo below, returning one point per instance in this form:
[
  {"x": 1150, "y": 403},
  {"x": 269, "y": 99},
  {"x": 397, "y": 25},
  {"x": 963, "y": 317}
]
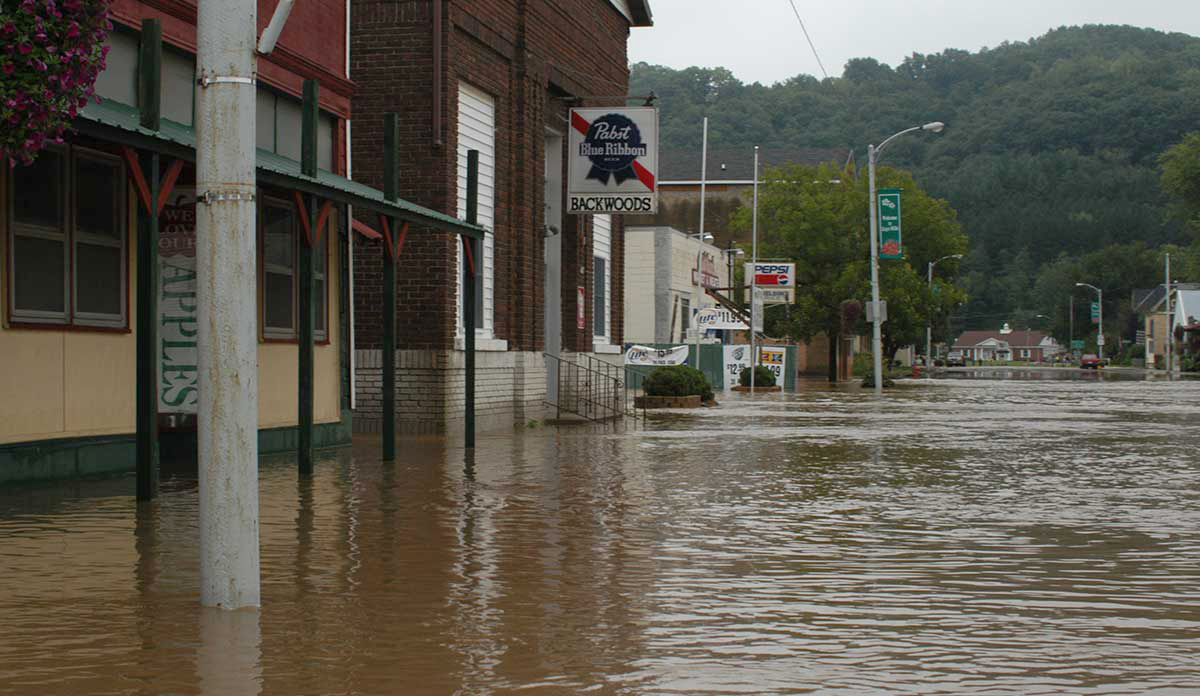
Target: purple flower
[
  {"x": 8, "y": 68},
  {"x": 25, "y": 48}
]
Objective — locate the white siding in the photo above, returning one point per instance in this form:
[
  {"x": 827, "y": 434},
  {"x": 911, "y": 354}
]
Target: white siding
[
  {"x": 602, "y": 247},
  {"x": 477, "y": 131}
]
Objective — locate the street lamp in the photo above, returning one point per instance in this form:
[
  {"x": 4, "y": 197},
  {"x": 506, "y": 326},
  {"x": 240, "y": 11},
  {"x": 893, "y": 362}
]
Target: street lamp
[
  {"x": 876, "y": 324},
  {"x": 929, "y": 324},
  {"x": 1100, "y": 318}
]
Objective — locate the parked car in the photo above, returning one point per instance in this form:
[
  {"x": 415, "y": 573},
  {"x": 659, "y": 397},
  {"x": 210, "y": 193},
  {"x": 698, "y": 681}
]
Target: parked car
[
  {"x": 955, "y": 359},
  {"x": 1090, "y": 361}
]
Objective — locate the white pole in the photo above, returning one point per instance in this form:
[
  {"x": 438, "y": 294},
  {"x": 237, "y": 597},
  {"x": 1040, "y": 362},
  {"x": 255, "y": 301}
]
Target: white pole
[
  {"x": 876, "y": 325},
  {"x": 699, "y": 277},
  {"x": 226, "y": 261},
  {"x": 753, "y": 264},
  {"x": 929, "y": 328},
  {"x": 1170, "y": 329},
  {"x": 1100, "y": 326}
]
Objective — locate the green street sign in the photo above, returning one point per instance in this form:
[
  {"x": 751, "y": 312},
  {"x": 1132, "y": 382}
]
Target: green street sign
[
  {"x": 1077, "y": 344},
  {"x": 889, "y": 224},
  {"x": 1095, "y": 312}
]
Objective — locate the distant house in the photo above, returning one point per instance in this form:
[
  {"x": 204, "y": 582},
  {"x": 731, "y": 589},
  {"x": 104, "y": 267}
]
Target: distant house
[
  {"x": 1150, "y": 305},
  {"x": 1023, "y": 345}
]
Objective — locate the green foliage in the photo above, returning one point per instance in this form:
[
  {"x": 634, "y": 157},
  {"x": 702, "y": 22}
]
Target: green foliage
[
  {"x": 817, "y": 216},
  {"x": 1052, "y": 146},
  {"x": 677, "y": 380},
  {"x": 1181, "y": 176},
  {"x": 863, "y": 365},
  {"x": 763, "y": 377}
]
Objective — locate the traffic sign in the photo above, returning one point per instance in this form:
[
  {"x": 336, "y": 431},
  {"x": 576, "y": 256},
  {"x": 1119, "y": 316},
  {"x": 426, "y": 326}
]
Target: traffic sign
[
  {"x": 1077, "y": 344},
  {"x": 1095, "y": 312}
]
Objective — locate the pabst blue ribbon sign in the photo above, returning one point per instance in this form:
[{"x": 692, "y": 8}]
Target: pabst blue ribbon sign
[{"x": 612, "y": 161}]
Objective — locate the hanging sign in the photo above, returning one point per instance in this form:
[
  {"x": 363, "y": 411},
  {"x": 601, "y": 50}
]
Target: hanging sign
[
  {"x": 756, "y": 310},
  {"x": 889, "y": 224},
  {"x": 178, "y": 390},
  {"x": 643, "y": 355},
  {"x": 777, "y": 281},
  {"x": 774, "y": 358},
  {"x": 579, "y": 301},
  {"x": 717, "y": 318},
  {"x": 1095, "y": 312},
  {"x": 612, "y": 161}
]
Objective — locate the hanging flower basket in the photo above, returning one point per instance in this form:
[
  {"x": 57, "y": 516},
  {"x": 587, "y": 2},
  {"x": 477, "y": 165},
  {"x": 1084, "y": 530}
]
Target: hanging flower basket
[{"x": 51, "y": 52}]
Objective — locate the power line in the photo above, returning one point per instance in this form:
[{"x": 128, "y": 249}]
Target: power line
[{"x": 810, "y": 43}]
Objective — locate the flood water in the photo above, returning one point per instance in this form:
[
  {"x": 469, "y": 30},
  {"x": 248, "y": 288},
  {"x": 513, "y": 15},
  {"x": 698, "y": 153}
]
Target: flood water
[{"x": 959, "y": 536}]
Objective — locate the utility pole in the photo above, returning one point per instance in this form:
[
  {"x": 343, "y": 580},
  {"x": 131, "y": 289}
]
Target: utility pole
[
  {"x": 699, "y": 296},
  {"x": 226, "y": 280},
  {"x": 1169, "y": 324},
  {"x": 755, "y": 303}
]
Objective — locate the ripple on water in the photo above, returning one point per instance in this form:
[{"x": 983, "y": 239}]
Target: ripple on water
[{"x": 959, "y": 536}]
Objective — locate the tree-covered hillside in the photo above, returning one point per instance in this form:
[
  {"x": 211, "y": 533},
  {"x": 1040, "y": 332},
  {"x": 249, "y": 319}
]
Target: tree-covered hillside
[{"x": 1051, "y": 145}]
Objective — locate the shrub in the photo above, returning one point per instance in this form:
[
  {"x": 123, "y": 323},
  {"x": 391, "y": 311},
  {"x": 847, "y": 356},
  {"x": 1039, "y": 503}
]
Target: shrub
[
  {"x": 763, "y": 377},
  {"x": 678, "y": 380}
]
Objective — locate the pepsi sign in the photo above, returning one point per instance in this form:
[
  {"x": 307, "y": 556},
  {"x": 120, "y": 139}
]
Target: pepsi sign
[{"x": 777, "y": 278}]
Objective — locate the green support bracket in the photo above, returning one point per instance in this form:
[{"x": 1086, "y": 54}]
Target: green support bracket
[
  {"x": 391, "y": 172},
  {"x": 304, "y": 284},
  {"x": 150, "y": 74},
  {"x": 470, "y": 278}
]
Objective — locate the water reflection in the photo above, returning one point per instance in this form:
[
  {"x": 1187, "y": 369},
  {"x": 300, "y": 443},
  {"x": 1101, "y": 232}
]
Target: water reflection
[{"x": 959, "y": 535}]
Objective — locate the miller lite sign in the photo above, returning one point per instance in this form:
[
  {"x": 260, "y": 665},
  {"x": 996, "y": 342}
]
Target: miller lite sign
[
  {"x": 612, "y": 161},
  {"x": 776, "y": 280}
]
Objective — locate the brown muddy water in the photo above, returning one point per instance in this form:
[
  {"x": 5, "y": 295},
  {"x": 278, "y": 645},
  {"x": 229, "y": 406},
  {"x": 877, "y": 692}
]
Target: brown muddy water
[{"x": 962, "y": 536}]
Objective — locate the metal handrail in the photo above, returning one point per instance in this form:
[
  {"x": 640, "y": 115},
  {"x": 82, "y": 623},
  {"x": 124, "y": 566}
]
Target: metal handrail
[{"x": 595, "y": 390}]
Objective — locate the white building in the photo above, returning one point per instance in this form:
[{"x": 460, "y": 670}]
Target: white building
[{"x": 666, "y": 272}]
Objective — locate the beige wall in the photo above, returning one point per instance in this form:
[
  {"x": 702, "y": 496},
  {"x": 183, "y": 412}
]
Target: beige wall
[
  {"x": 62, "y": 384},
  {"x": 639, "y": 286}
]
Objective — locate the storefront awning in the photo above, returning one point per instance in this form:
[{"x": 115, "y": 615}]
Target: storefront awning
[{"x": 112, "y": 121}]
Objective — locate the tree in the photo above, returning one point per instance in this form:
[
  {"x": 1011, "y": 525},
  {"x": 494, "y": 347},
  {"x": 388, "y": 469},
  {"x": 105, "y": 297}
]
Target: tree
[
  {"x": 817, "y": 217},
  {"x": 1181, "y": 176}
]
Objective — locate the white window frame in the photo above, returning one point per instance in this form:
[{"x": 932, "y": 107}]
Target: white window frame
[
  {"x": 602, "y": 248},
  {"x": 69, "y": 236},
  {"x": 478, "y": 134}
]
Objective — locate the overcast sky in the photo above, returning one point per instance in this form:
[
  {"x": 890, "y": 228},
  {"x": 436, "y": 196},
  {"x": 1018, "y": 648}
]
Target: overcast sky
[{"x": 760, "y": 40}]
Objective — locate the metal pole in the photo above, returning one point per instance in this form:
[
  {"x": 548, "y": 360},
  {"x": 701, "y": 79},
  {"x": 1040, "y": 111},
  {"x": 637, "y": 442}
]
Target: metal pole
[
  {"x": 471, "y": 278},
  {"x": 149, "y": 102},
  {"x": 929, "y": 327},
  {"x": 876, "y": 324},
  {"x": 304, "y": 286},
  {"x": 753, "y": 264},
  {"x": 1100, "y": 326},
  {"x": 391, "y": 187},
  {"x": 226, "y": 269},
  {"x": 1169, "y": 328},
  {"x": 699, "y": 278},
  {"x": 1070, "y": 321}
]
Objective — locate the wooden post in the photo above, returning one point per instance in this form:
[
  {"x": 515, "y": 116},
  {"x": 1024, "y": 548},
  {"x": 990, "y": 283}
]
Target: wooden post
[
  {"x": 149, "y": 97},
  {"x": 304, "y": 281},
  {"x": 474, "y": 269},
  {"x": 391, "y": 172}
]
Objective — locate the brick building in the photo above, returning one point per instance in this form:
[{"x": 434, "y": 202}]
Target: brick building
[
  {"x": 75, "y": 223},
  {"x": 496, "y": 76}
]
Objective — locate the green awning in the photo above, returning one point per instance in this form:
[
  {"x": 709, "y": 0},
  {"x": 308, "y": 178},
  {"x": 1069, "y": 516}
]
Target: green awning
[{"x": 109, "y": 120}]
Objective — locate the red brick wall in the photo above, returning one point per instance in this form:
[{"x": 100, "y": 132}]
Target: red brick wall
[
  {"x": 312, "y": 45},
  {"x": 521, "y": 52}
]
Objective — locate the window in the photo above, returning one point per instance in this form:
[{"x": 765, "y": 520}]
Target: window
[
  {"x": 281, "y": 239},
  {"x": 685, "y": 313},
  {"x": 599, "y": 298},
  {"x": 67, "y": 240}
]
